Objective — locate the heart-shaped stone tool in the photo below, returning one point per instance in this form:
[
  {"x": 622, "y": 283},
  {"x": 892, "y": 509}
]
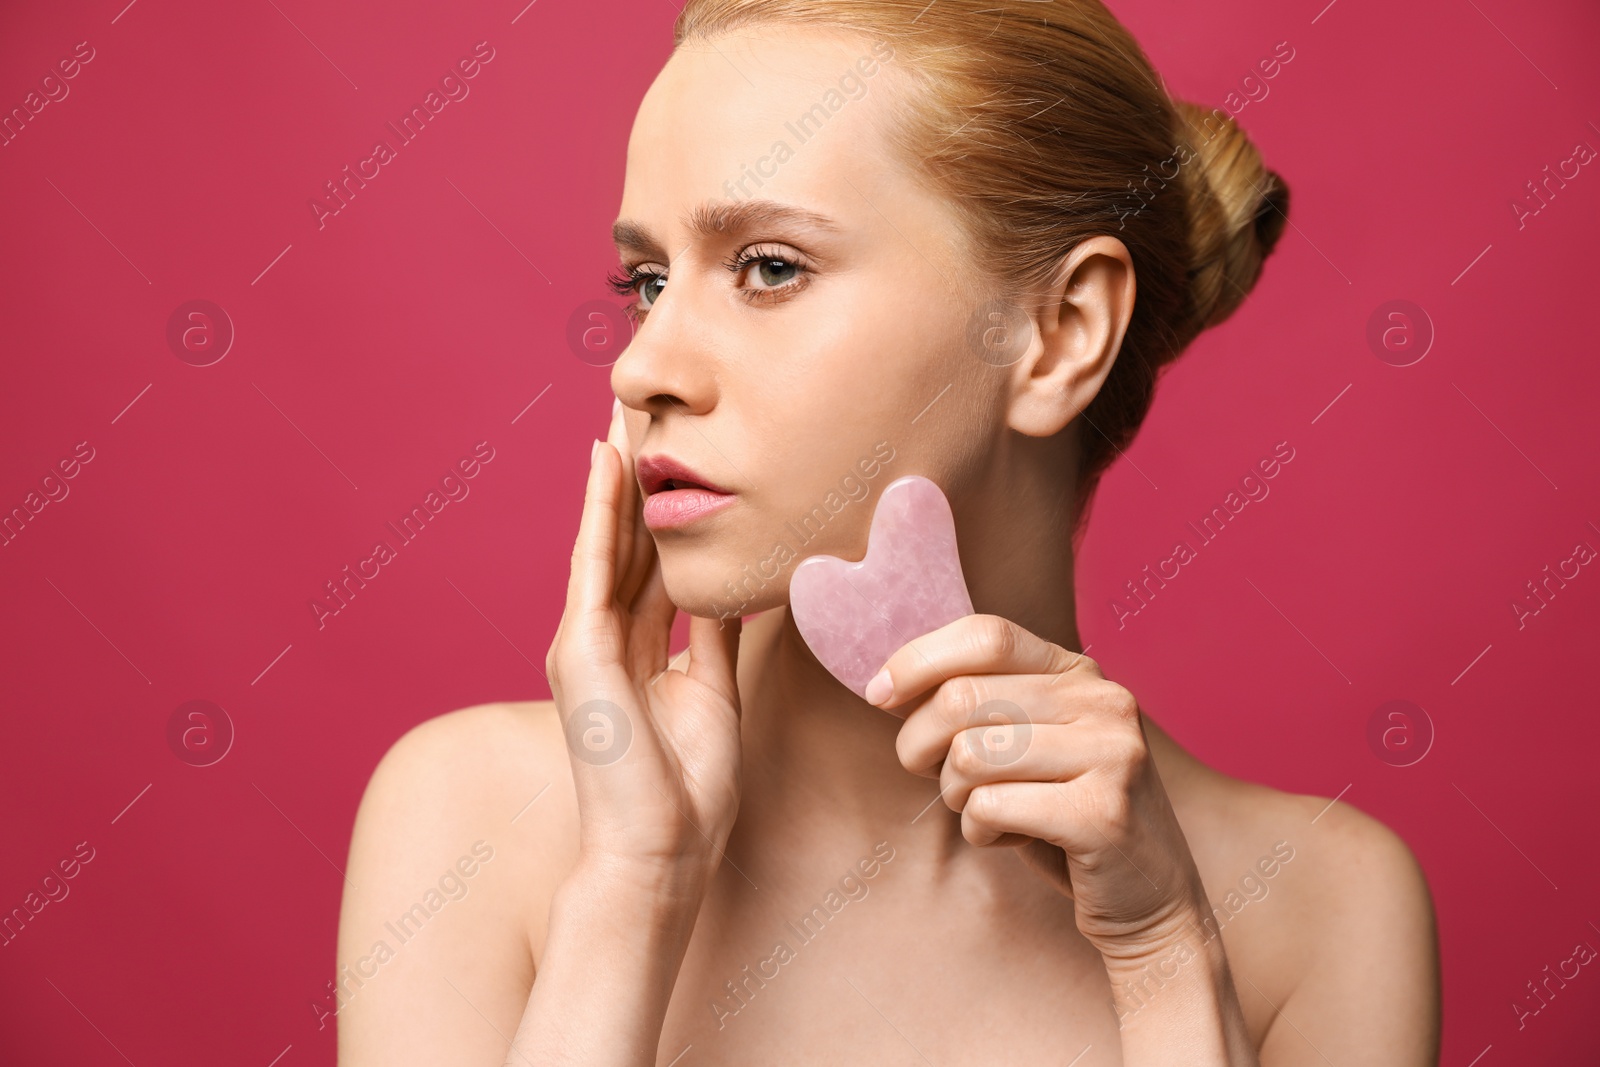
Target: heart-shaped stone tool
[{"x": 854, "y": 616}]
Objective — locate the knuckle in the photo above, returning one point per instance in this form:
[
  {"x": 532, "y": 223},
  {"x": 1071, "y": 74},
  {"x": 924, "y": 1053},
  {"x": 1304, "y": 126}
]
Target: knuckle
[
  {"x": 1130, "y": 768},
  {"x": 1119, "y": 703},
  {"x": 1105, "y": 811},
  {"x": 1123, "y": 760},
  {"x": 1116, "y": 743},
  {"x": 959, "y": 697},
  {"x": 994, "y": 637},
  {"x": 1117, "y": 817},
  {"x": 561, "y": 666},
  {"x": 1133, "y": 753},
  {"x": 965, "y": 757},
  {"x": 579, "y": 653},
  {"x": 983, "y": 805}
]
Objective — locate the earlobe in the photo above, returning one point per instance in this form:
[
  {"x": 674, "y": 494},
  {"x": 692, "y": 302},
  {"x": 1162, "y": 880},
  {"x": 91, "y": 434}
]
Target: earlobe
[{"x": 1081, "y": 321}]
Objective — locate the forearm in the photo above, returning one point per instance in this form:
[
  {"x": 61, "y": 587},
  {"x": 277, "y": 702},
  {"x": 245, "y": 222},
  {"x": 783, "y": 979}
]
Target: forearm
[
  {"x": 615, "y": 943},
  {"x": 1177, "y": 1005}
]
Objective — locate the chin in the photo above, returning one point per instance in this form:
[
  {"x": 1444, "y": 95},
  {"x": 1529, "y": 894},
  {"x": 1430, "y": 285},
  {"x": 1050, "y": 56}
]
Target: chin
[{"x": 720, "y": 589}]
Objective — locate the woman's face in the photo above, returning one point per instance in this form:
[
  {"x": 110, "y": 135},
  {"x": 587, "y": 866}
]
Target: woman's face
[{"x": 800, "y": 363}]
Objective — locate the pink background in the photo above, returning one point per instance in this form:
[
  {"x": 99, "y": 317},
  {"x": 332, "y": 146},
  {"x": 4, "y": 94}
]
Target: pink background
[{"x": 374, "y": 353}]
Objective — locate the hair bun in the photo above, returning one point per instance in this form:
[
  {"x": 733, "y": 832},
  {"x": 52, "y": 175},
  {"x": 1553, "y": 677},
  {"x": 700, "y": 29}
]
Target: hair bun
[{"x": 1238, "y": 209}]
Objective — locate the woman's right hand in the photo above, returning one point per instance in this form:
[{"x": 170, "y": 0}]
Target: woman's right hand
[
  {"x": 654, "y": 751},
  {"x": 655, "y": 761}
]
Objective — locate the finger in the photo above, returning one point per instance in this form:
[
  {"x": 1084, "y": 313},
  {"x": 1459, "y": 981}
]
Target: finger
[
  {"x": 977, "y": 700},
  {"x": 633, "y": 540},
  {"x": 591, "y": 582},
  {"x": 1082, "y": 820},
  {"x": 973, "y": 644},
  {"x": 618, "y": 439},
  {"x": 1024, "y": 752},
  {"x": 1044, "y": 810},
  {"x": 714, "y": 655},
  {"x": 650, "y": 634}
]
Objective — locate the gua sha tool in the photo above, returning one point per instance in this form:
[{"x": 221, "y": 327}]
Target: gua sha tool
[{"x": 854, "y": 616}]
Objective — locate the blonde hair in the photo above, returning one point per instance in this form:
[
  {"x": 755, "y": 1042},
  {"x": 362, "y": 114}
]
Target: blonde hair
[{"x": 1044, "y": 124}]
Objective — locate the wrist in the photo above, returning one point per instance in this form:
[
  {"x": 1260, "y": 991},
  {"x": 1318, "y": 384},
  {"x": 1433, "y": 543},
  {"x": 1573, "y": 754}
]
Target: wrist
[
  {"x": 1191, "y": 959},
  {"x": 618, "y": 932},
  {"x": 1176, "y": 991},
  {"x": 1130, "y": 942},
  {"x": 638, "y": 886},
  {"x": 1187, "y": 930},
  {"x": 639, "y": 918}
]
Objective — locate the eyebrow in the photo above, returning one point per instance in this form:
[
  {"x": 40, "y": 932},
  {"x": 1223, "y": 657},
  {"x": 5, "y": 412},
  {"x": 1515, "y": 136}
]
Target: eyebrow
[{"x": 722, "y": 220}]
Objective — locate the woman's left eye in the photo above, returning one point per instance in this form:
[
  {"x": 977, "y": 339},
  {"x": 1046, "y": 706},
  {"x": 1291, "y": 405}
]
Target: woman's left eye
[
  {"x": 772, "y": 271},
  {"x": 769, "y": 273}
]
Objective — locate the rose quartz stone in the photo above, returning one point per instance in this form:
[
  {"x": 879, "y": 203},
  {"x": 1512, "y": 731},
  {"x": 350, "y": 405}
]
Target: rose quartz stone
[{"x": 854, "y": 616}]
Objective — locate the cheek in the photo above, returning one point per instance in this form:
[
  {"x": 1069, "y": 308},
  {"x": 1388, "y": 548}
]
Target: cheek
[
  {"x": 869, "y": 365},
  {"x": 823, "y": 411}
]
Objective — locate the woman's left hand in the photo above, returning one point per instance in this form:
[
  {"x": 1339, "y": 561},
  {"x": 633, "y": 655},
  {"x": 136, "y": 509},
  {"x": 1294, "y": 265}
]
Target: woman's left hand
[{"x": 1035, "y": 748}]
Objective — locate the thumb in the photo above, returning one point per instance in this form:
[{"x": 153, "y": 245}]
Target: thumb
[{"x": 714, "y": 655}]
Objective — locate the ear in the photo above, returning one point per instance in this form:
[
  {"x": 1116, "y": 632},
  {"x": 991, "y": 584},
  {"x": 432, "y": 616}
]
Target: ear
[{"x": 1080, "y": 322}]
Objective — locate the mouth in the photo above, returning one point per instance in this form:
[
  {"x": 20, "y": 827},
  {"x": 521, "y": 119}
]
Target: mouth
[
  {"x": 659, "y": 473},
  {"x": 675, "y": 494}
]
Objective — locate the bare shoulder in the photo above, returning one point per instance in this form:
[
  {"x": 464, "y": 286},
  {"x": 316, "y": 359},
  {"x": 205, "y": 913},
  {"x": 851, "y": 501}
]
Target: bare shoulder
[
  {"x": 467, "y": 825},
  {"x": 1327, "y": 919}
]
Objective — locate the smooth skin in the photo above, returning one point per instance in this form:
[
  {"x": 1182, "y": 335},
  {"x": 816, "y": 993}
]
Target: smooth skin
[{"x": 1041, "y": 885}]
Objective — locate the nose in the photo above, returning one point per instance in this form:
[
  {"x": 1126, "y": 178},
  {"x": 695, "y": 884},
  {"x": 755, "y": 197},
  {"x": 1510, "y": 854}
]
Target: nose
[{"x": 669, "y": 367}]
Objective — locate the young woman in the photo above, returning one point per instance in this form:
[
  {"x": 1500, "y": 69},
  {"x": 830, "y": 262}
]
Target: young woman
[{"x": 870, "y": 238}]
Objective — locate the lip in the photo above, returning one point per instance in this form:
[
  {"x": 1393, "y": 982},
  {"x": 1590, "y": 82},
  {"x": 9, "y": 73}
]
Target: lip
[
  {"x": 669, "y": 508},
  {"x": 679, "y": 507},
  {"x": 657, "y": 469}
]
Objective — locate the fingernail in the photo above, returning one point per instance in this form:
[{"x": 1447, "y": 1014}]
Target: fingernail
[
  {"x": 616, "y": 405},
  {"x": 880, "y": 687},
  {"x": 593, "y": 450}
]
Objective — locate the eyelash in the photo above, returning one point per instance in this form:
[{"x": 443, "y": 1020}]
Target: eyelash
[{"x": 626, "y": 280}]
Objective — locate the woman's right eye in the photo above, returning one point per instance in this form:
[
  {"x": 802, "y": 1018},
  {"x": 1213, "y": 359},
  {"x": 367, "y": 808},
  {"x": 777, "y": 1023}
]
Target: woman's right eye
[{"x": 638, "y": 281}]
